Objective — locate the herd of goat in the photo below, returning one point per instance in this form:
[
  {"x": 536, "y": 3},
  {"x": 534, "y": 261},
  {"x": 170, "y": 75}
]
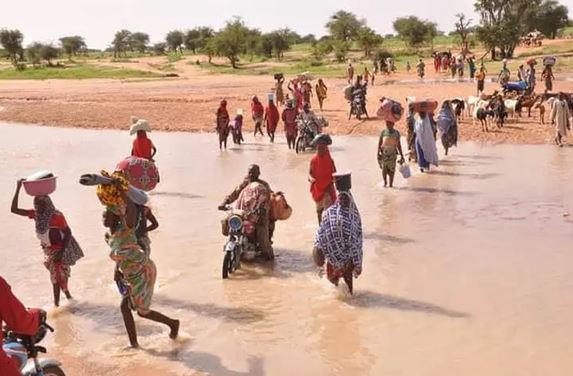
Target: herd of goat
[{"x": 497, "y": 108}]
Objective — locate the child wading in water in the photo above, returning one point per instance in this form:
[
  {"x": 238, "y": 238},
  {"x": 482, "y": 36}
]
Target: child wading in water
[{"x": 388, "y": 149}]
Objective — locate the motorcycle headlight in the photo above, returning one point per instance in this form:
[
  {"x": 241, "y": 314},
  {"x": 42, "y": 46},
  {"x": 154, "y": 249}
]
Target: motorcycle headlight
[{"x": 235, "y": 223}]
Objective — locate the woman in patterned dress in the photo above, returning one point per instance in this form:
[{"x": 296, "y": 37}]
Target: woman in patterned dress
[
  {"x": 339, "y": 241},
  {"x": 60, "y": 248},
  {"x": 135, "y": 273}
]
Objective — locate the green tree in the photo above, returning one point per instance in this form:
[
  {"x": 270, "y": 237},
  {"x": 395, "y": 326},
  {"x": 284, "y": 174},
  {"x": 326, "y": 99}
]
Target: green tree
[
  {"x": 321, "y": 49},
  {"x": 121, "y": 42},
  {"x": 344, "y": 26},
  {"x": 11, "y": 41},
  {"x": 368, "y": 40},
  {"x": 282, "y": 40},
  {"x": 309, "y": 38},
  {"x": 463, "y": 28},
  {"x": 340, "y": 49},
  {"x": 72, "y": 45},
  {"x": 210, "y": 48},
  {"x": 159, "y": 48},
  {"x": 191, "y": 40},
  {"x": 33, "y": 53},
  {"x": 49, "y": 53},
  {"x": 138, "y": 41},
  {"x": 231, "y": 41},
  {"x": 503, "y": 22},
  {"x": 551, "y": 17},
  {"x": 266, "y": 45},
  {"x": 415, "y": 31},
  {"x": 174, "y": 40}
]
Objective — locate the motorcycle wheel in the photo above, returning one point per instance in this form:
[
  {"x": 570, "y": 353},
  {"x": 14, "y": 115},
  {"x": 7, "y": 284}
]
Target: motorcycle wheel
[
  {"x": 53, "y": 371},
  {"x": 298, "y": 147},
  {"x": 227, "y": 265}
]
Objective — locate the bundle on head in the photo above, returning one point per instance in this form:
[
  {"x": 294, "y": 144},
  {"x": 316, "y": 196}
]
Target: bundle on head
[{"x": 111, "y": 195}]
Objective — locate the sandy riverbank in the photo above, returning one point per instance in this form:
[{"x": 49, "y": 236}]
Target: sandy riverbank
[{"x": 188, "y": 103}]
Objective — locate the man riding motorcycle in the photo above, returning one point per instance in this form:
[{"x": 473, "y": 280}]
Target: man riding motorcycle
[
  {"x": 308, "y": 117},
  {"x": 19, "y": 320},
  {"x": 358, "y": 97},
  {"x": 254, "y": 196}
]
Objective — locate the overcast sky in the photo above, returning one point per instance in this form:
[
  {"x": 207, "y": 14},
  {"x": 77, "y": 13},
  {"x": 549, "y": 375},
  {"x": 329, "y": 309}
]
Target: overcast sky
[{"x": 98, "y": 20}]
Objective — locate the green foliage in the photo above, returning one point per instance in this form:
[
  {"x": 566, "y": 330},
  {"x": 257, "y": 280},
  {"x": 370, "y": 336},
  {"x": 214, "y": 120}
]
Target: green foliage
[
  {"x": 341, "y": 49},
  {"x": 415, "y": 31},
  {"x": 138, "y": 42},
  {"x": 159, "y": 48},
  {"x": 121, "y": 42},
  {"x": 504, "y": 22},
  {"x": 72, "y": 45},
  {"x": 80, "y": 71},
  {"x": 309, "y": 38},
  {"x": 463, "y": 27},
  {"x": 197, "y": 38},
  {"x": 174, "y": 40},
  {"x": 344, "y": 26},
  {"x": 368, "y": 40},
  {"x": 33, "y": 53},
  {"x": 172, "y": 58},
  {"x": 49, "y": 53},
  {"x": 232, "y": 40},
  {"x": 551, "y": 17},
  {"x": 321, "y": 49},
  {"x": 11, "y": 41}
]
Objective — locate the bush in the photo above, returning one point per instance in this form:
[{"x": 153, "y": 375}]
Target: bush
[
  {"x": 316, "y": 63},
  {"x": 382, "y": 55}
]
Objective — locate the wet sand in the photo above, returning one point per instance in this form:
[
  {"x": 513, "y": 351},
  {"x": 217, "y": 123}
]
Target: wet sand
[
  {"x": 189, "y": 103},
  {"x": 466, "y": 272}
]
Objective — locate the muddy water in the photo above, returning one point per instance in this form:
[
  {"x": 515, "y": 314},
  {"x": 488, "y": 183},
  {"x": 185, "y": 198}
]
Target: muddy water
[{"x": 467, "y": 270}]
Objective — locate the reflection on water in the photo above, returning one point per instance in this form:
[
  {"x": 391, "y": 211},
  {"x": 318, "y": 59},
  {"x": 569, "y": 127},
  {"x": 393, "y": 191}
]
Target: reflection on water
[{"x": 467, "y": 268}]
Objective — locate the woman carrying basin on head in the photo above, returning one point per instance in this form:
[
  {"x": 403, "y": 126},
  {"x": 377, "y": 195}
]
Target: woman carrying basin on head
[{"x": 61, "y": 250}]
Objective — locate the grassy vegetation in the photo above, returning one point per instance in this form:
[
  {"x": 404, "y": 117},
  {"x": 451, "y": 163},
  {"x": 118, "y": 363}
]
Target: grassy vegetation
[
  {"x": 78, "y": 72},
  {"x": 548, "y": 50},
  {"x": 174, "y": 57}
]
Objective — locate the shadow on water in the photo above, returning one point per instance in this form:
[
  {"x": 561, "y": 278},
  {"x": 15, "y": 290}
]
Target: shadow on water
[
  {"x": 437, "y": 191},
  {"x": 175, "y": 195},
  {"x": 240, "y": 315},
  {"x": 463, "y": 163},
  {"x": 478, "y": 157},
  {"x": 471, "y": 176},
  {"x": 387, "y": 238},
  {"x": 286, "y": 263},
  {"x": 209, "y": 363},
  {"x": 370, "y": 299}
]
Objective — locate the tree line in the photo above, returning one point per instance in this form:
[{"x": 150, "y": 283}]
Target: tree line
[{"x": 501, "y": 24}]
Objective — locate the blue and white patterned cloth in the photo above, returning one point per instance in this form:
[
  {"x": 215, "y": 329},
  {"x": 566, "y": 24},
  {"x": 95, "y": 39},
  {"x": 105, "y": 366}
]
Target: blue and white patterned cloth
[{"x": 340, "y": 234}]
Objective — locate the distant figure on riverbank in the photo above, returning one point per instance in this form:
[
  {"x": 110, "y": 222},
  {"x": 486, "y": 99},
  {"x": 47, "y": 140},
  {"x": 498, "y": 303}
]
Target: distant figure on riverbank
[
  {"x": 548, "y": 77},
  {"x": 560, "y": 117},
  {"x": 142, "y": 145},
  {"x": 271, "y": 119},
  {"x": 279, "y": 91},
  {"x": 480, "y": 76},
  {"x": 350, "y": 73},
  {"x": 223, "y": 121},
  {"x": 258, "y": 114},
  {"x": 420, "y": 69},
  {"x": 321, "y": 91}
]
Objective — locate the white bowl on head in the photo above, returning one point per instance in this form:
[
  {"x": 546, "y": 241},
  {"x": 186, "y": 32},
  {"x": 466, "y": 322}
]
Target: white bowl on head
[{"x": 40, "y": 184}]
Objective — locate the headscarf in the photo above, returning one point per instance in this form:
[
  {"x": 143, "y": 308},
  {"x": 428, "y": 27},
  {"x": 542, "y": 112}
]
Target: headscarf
[
  {"x": 111, "y": 194},
  {"x": 340, "y": 234},
  {"x": 322, "y": 167},
  {"x": 446, "y": 117},
  {"x": 43, "y": 219},
  {"x": 425, "y": 138}
]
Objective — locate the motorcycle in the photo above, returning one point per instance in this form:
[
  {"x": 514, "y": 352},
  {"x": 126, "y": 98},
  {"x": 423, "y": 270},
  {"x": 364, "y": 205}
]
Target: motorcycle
[
  {"x": 305, "y": 136},
  {"x": 358, "y": 104},
  {"x": 242, "y": 241},
  {"x": 22, "y": 348}
]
